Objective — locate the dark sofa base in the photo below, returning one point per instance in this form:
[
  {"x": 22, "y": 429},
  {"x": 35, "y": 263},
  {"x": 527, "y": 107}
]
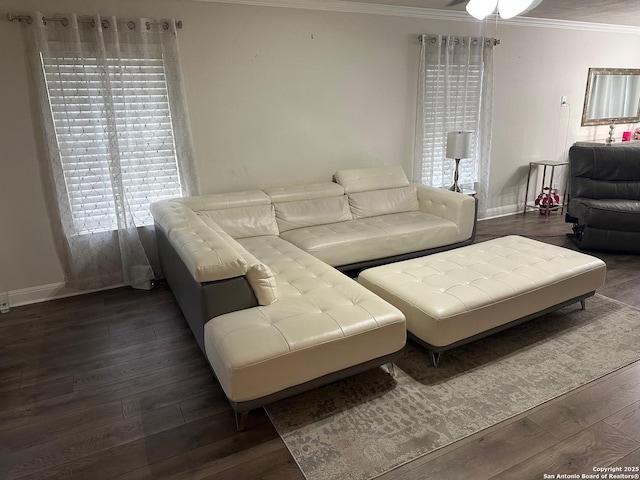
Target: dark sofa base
[
  {"x": 200, "y": 302},
  {"x": 354, "y": 269}
]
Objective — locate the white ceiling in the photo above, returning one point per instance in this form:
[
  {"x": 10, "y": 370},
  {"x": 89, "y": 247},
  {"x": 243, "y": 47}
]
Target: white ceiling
[{"x": 616, "y": 12}]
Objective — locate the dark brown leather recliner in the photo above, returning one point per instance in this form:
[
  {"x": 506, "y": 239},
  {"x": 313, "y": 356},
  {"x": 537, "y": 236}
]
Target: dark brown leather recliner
[{"x": 604, "y": 197}]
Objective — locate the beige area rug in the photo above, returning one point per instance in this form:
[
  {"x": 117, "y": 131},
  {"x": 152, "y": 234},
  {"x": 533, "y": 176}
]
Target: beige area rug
[{"x": 366, "y": 425}]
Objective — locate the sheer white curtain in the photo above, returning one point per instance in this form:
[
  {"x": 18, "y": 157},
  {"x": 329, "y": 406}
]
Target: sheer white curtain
[
  {"x": 455, "y": 92},
  {"x": 115, "y": 137}
]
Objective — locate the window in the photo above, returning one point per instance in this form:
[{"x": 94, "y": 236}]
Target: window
[
  {"x": 83, "y": 97},
  {"x": 455, "y": 92},
  {"x": 455, "y": 86}
]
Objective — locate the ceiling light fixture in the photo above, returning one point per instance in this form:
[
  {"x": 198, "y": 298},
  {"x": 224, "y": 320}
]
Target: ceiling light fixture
[{"x": 481, "y": 9}]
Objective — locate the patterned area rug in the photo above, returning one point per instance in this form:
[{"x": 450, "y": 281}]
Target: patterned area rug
[{"x": 363, "y": 426}]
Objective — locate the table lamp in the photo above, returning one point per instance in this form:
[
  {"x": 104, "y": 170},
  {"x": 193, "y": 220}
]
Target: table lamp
[{"x": 458, "y": 147}]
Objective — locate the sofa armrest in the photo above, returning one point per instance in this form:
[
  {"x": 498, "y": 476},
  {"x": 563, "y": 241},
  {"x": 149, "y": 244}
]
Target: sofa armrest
[
  {"x": 456, "y": 207},
  {"x": 202, "y": 246},
  {"x": 206, "y": 253}
]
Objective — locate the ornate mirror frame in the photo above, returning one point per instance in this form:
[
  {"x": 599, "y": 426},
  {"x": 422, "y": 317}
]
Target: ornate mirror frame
[{"x": 590, "y": 93}]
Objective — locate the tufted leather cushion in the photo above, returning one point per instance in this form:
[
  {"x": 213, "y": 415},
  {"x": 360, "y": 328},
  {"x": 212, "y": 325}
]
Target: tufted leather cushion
[
  {"x": 322, "y": 322},
  {"x": 241, "y": 222},
  {"x": 383, "y": 202},
  {"x": 454, "y": 295},
  {"x": 372, "y": 178},
  {"x": 305, "y": 213},
  {"x": 206, "y": 254},
  {"x": 168, "y": 214}
]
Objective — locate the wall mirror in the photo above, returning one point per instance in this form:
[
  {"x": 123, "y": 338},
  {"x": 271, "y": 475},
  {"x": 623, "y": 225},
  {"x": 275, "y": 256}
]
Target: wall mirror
[{"x": 613, "y": 96}]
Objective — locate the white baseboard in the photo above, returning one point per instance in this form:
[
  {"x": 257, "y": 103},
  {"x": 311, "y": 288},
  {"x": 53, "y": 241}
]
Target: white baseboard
[
  {"x": 501, "y": 211},
  {"x": 43, "y": 293}
]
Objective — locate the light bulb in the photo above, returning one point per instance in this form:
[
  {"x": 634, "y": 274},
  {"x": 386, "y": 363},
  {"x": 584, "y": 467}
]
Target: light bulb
[{"x": 481, "y": 9}]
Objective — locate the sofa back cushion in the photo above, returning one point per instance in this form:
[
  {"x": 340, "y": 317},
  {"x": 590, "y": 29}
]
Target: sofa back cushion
[
  {"x": 383, "y": 202},
  {"x": 373, "y": 178},
  {"x": 294, "y": 193},
  {"x": 604, "y": 172},
  {"x": 243, "y": 222},
  {"x": 217, "y": 201},
  {"x": 306, "y": 213}
]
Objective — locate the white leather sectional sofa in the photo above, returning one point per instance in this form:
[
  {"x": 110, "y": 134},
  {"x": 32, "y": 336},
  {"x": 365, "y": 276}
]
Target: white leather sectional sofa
[{"x": 256, "y": 274}]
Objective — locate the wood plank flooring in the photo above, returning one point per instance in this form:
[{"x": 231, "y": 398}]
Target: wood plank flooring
[{"x": 112, "y": 385}]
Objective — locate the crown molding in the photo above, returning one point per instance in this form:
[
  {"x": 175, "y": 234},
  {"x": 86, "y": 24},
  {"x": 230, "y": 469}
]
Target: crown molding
[{"x": 429, "y": 13}]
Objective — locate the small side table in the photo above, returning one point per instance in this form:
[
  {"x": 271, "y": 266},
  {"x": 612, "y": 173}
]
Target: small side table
[{"x": 544, "y": 164}]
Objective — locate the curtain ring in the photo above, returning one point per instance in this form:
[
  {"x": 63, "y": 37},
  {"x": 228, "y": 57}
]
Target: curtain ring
[
  {"x": 64, "y": 21},
  {"x": 456, "y": 41},
  {"x": 44, "y": 20},
  {"x": 148, "y": 25},
  {"x": 179, "y": 24},
  {"x": 434, "y": 39},
  {"x": 131, "y": 24},
  {"x": 104, "y": 23},
  {"x": 93, "y": 23},
  {"x": 165, "y": 25},
  {"x": 475, "y": 42}
]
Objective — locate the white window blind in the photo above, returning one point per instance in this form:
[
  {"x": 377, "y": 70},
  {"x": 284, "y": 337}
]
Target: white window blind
[
  {"x": 455, "y": 106},
  {"x": 84, "y": 98}
]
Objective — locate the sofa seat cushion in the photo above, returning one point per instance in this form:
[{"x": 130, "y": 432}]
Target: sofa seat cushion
[
  {"x": 372, "y": 238},
  {"x": 607, "y": 214},
  {"x": 323, "y": 322}
]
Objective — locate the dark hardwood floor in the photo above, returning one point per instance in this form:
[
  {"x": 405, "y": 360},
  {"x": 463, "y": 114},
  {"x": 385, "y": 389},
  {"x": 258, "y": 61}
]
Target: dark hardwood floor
[{"x": 112, "y": 385}]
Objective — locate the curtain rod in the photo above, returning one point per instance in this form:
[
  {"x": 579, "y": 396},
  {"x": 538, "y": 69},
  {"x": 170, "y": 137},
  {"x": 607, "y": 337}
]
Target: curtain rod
[
  {"x": 84, "y": 19},
  {"x": 423, "y": 38}
]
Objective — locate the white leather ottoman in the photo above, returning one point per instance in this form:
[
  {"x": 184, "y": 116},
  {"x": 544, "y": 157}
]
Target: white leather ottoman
[{"x": 453, "y": 297}]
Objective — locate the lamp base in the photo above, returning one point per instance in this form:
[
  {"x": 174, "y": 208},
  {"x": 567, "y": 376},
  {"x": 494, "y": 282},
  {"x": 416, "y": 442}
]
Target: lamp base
[
  {"x": 455, "y": 187},
  {"x": 610, "y": 139}
]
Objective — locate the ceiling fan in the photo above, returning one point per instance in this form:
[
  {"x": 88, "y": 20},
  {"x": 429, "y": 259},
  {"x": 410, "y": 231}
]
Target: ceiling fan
[{"x": 481, "y": 9}]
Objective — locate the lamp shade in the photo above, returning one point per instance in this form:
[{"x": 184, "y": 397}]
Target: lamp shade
[{"x": 459, "y": 144}]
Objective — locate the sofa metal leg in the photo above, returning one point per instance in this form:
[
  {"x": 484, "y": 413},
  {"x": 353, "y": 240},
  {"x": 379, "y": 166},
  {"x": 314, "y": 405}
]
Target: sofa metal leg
[
  {"x": 583, "y": 304},
  {"x": 435, "y": 357},
  {"x": 241, "y": 420},
  {"x": 391, "y": 368}
]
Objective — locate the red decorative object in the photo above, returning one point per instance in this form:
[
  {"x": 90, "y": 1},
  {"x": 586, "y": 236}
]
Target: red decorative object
[{"x": 548, "y": 201}]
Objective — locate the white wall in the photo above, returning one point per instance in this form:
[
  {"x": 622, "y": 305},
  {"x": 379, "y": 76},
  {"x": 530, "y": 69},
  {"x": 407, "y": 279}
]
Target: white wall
[{"x": 279, "y": 96}]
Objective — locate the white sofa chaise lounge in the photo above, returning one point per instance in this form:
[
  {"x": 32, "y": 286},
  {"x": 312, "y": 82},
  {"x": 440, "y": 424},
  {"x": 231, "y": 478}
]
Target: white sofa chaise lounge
[{"x": 256, "y": 274}]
